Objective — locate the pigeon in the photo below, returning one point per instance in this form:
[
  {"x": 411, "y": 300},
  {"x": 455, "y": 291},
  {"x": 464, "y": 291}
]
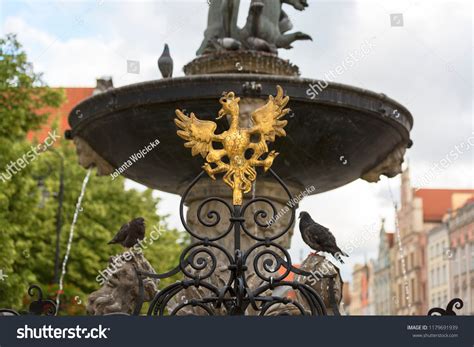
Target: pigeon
[
  {"x": 103, "y": 84},
  {"x": 258, "y": 44},
  {"x": 318, "y": 237},
  {"x": 165, "y": 63},
  {"x": 226, "y": 44},
  {"x": 130, "y": 233}
]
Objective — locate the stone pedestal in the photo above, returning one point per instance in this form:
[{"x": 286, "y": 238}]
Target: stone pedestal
[
  {"x": 241, "y": 62},
  {"x": 272, "y": 191},
  {"x": 119, "y": 293}
]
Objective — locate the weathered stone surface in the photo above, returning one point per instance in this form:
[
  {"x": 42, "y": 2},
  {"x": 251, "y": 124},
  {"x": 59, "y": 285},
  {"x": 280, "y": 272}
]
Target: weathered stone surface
[
  {"x": 119, "y": 293},
  {"x": 87, "y": 157},
  {"x": 322, "y": 269},
  {"x": 250, "y": 62},
  {"x": 341, "y": 122},
  {"x": 390, "y": 167}
]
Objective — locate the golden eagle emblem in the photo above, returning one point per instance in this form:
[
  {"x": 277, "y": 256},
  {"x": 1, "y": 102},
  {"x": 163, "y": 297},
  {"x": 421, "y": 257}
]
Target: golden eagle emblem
[{"x": 239, "y": 172}]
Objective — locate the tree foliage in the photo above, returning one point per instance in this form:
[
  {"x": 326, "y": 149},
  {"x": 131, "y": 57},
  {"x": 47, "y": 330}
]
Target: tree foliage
[{"x": 28, "y": 200}]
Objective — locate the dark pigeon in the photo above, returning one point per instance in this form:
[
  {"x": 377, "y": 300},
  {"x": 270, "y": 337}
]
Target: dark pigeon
[
  {"x": 130, "y": 233},
  {"x": 165, "y": 63},
  {"x": 318, "y": 237}
]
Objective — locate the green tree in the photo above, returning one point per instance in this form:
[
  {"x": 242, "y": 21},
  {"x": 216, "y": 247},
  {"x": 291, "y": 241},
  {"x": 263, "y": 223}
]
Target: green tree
[{"x": 28, "y": 213}]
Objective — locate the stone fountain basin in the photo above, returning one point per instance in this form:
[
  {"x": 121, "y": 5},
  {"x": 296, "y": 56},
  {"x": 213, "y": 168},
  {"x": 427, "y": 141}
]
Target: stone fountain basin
[{"x": 333, "y": 139}]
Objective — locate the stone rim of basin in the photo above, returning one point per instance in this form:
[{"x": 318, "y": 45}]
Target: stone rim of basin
[{"x": 193, "y": 93}]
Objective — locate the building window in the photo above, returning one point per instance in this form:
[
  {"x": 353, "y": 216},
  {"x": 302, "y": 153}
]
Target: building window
[
  {"x": 463, "y": 259},
  {"x": 455, "y": 262}
]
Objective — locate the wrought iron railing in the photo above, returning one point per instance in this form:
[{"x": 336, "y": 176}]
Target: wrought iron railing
[
  {"x": 198, "y": 263},
  {"x": 37, "y": 307}
]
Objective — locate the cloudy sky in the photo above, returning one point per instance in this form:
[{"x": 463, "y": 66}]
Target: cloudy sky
[{"x": 421, "y": 57}]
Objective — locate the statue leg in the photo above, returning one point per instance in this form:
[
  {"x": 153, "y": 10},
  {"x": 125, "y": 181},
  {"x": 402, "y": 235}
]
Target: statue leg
[
  {"x": 215, "y": 24},
  {"x": 231, "y": 11}
]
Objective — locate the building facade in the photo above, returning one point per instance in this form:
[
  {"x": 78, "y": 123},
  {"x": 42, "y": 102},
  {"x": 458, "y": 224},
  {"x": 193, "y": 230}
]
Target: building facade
[
  {"x": 73, "y": 96},
  {"x": 461, "y": 255},
  {"x": 428, "y": 260},
  {"x": 361, "y": 298},
  {"x": 421, "y": 211},
  {"x": 438, "y": 262},
  {"x": 382, "y": 295},
  {"x": 408, "y": 254}
]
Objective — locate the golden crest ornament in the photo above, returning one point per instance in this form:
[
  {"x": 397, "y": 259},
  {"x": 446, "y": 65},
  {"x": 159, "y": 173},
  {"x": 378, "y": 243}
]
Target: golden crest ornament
[{"x": 239, "y": 172}]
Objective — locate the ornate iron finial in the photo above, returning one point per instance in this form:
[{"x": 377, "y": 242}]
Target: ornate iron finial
[
  {"x": 455, "y": 303},
  {"x": 239, "y": 171},
  {"x": 37, "y": 307}
]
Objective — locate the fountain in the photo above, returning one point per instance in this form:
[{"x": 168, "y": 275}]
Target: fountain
[{"x": 333, "y": 137}]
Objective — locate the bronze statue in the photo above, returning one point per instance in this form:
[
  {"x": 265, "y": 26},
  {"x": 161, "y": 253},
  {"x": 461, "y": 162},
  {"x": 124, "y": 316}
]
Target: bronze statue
[{"x": 265, "y": 29}]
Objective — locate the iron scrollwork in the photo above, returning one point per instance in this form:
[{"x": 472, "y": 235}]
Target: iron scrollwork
[
  {"x": 455, "y": 303},
  {"x": 37, "y": 307},
  {"x": 203, "y": 291}
]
